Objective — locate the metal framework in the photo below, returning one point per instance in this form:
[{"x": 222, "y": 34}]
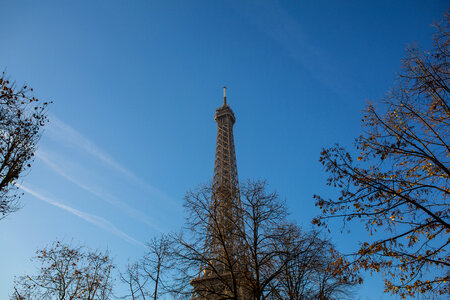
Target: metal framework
[
  {"x": 225, "y": 222},
  {"x": 225, "y": 188}
]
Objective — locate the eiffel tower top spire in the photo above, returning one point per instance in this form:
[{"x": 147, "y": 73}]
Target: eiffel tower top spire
[{"x": 224, "y": 95}]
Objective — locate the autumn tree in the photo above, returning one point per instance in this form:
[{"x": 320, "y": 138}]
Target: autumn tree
[
  {"x": 398, "y": 185},
  {"x": 67, "y": 272},
  {"x": 22, "y": 117}
]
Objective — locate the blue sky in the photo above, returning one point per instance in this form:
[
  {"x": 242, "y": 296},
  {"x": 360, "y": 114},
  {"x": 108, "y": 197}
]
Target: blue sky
[{"x": 135, "y": 85}]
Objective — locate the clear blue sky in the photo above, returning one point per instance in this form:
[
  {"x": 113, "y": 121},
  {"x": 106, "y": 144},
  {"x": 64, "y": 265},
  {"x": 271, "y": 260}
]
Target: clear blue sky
[{"x": 135, "y": 85}]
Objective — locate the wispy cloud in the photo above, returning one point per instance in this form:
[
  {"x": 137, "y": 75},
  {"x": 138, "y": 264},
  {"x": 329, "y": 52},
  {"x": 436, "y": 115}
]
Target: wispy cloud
[
  {"x": 63, "y": 131},
  {"x": 93, "y": 219},
  {"x": 97, "y": 192},
  {"x": 68, "y": 133}
]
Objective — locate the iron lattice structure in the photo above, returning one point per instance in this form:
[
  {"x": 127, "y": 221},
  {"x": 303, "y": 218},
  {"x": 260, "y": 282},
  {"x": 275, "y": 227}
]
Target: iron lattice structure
[
  {"x": 225, "y": 180},
  {"x": 223, "y": 244}
]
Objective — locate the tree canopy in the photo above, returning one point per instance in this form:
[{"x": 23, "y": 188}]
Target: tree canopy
[
  {"x": 67, "y": 272},
  {"x": 264, "y": 255},
  {"x": 398, "y": 185},
  {"x": 22, "y": 117}
]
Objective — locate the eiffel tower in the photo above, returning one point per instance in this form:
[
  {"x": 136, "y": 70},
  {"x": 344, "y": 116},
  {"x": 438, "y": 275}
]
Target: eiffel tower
[{"x": 222, "y": 277}]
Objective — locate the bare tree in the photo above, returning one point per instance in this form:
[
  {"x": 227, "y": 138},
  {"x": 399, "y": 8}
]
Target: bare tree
[
  {"x": 67, "y": 272},
  {"x": 266, "y": 249},
  {"x": 312, "y": 270},
  {"x": 146, "y": 279},
  {"x": 195, "y": 255},
  {"x": 265, "y": 224},
  {"x": 22, "y": 117},
  {"x": 157, "y": 263},
  {"x": 399, "y": 183},
  {"x": 135, "y": 283}
]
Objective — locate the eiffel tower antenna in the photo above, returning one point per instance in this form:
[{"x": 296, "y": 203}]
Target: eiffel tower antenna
[{"x": 224, "y": 95}]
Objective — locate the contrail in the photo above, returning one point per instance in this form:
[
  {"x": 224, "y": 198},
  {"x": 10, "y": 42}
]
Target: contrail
[
  {"x": 66, "y": 132},
  {"x": 93, "y": 219},
  {"x": 102, "y": 195}
]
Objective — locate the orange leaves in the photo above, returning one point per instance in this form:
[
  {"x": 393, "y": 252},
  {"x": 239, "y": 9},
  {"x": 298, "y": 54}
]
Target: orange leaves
[{"x": 400, "y": 181}]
